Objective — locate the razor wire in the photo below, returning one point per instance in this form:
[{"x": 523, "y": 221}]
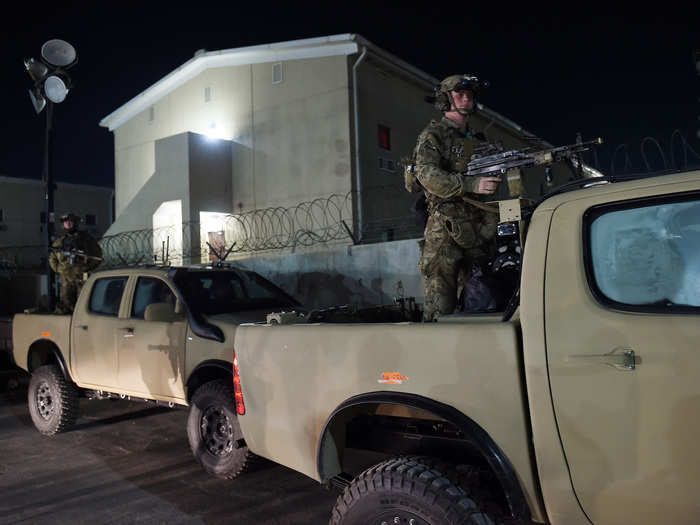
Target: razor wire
[
  {"x": 321, "y": 220},
  {"x": 655, "y": 155}
]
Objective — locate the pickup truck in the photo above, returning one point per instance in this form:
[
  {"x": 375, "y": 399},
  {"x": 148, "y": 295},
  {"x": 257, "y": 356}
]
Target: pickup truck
[
  {"x": 161, "y": 334},
  {"x": 579, "y": 406}
]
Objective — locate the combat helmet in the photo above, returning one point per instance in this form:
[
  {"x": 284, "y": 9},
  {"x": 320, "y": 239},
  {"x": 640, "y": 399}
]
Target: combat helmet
[
  {"x": 69, "y": 216},
  {"x": 456, "y": 83}
]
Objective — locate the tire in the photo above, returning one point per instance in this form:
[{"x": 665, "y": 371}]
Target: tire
[
  {"x": 409, "y": 491},
  {"x": 214, "y": 432},
  {"x": 53, "y": 400}
]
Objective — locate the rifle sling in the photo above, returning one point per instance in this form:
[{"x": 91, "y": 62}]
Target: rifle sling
[{"x": 480, "y": 205}]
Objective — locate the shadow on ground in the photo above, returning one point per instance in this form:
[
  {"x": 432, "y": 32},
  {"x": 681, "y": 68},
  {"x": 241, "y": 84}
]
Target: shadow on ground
[{"x": 126, "y": 462}]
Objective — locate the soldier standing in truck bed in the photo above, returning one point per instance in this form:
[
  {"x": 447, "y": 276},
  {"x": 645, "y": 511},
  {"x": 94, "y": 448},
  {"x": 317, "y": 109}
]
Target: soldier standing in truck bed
[
  {"x": 73, "y": 254},
  {"x": 457, "y": 231}
]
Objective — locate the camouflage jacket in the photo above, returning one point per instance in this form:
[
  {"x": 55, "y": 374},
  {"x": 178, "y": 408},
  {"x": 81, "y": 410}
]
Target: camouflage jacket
[
  {"x": 61, "y": 261},
  {"x": 442, "y": 154}
]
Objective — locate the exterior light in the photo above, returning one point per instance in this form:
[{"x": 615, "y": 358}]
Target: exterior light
[
  {"x": 55, "y": 88},
  {"x": 50, "y": 81},
  {"x": 58, "y": 53},
  {"x": 36, "y": 69},
  {"x": 38, "y": 100},
  {"x": 49, "y": 76}
]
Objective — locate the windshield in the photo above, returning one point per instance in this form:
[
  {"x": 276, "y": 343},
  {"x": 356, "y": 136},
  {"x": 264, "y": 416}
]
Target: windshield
[{"x": 217, "y": 292}]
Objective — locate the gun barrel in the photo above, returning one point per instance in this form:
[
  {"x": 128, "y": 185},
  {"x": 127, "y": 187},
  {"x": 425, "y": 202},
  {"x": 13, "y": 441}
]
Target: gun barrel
[{"x": 501, "y": 162}]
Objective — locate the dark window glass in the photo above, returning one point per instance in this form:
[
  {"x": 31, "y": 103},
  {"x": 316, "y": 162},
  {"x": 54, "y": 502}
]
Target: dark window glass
[
  {"x": 216, "y": 292},
  {"x": 42, "y": 217},
  {"x": 1, "y": 216},
  {"x": 645, "y": 256},
  {"x": 384, "y": 137},
  {"x": 106, "y": 295},
  {"x": 150, "y": 290},
  {"x": 90, "y": 220}
]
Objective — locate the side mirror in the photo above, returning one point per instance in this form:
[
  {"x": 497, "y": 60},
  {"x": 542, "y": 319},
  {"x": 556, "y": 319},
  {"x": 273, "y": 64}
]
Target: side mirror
[{"x": 161, "y": 312}]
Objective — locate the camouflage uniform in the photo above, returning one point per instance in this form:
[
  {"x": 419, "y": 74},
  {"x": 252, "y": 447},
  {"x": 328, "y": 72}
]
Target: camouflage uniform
[
  {"x": 72, "y": 273},
  {"x": 457, "y": 232}
]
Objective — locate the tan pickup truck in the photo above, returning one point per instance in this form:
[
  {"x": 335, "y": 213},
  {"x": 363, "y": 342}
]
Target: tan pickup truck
[
  {"x": 161, "y": 334},
  {"x": 580, "y": 406}
]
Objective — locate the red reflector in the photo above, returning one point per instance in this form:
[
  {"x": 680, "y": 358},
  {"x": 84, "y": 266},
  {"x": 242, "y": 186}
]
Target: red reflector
[{"x": 237, "y": 392}]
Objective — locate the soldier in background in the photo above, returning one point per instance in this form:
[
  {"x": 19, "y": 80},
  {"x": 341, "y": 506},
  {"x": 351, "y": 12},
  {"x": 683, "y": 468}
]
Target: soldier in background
[
  {"x": 458, "y": 231},
  {"x": 73, "y": 254}
]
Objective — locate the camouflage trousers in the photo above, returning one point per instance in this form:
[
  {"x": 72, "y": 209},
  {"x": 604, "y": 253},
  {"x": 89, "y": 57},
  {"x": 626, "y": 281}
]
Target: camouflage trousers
[
  {"x": 70, "y": 288},
  {"x": 454, "y": 238}
]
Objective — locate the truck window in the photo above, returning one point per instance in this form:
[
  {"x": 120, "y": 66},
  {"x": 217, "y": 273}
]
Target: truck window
[
  {"x": 215, "y": 292},
  {"x": 106, "y": 295},
  {"x": 645, "y": 255},
  {"x": 150, "y": 290}
]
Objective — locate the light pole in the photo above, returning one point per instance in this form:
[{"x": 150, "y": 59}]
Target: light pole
[
  {"x": 51, "y": 84},
  {"x": 696, "y": 59}
]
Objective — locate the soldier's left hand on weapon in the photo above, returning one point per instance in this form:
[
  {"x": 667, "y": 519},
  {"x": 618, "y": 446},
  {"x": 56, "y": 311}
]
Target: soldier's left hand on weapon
[{"x": 487, "y": 185}]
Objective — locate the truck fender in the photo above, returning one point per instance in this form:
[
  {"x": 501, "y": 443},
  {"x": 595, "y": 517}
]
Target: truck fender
[
  {"x": 206, "y": 371},
  {"x": 474, "y": 434},
  {"x": 43, "y": 352}
]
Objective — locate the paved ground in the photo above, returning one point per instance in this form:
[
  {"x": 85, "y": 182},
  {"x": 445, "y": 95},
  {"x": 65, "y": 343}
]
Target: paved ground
[{"x": 128, "y": 462}]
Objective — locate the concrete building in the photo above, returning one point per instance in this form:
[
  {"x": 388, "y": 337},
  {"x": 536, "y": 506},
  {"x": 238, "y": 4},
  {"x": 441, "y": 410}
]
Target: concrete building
[
  {"x": 22, "y": 210},
  {"x": 272, "y": 126},
  {"x": 22, "y": 235}
]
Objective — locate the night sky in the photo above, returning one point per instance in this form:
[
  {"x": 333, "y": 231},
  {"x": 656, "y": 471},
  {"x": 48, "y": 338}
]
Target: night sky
[{"x": 620, "y": 75}]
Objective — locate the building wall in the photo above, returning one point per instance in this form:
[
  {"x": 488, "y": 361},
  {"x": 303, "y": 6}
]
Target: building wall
[
  {"x": 291, "y": 139},
  {"x": 395, "y": 102},
  {"x": 361, "y": 275},
  {"x": 22, "y": 202},
  {"x": 168, "y": 181}
]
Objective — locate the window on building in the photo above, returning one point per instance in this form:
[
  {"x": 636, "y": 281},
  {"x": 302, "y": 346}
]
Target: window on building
[
  {"x": 384, "y": 137},
  {"x": 644, "y": 256},
  {"x": 277, "y": 73},
  {"x": 387, "y": 164},
  {"x": 90, "y": 220},
  {"x": 151, "y": 114},
  {"x": 207, "y": 93}
]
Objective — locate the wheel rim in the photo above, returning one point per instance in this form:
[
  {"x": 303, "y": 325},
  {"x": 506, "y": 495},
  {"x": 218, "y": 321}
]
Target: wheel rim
[
  {"x": 400, "y": 517},
  {"x": 217, "y": 431},
  {"x": 44, "y": 400}
]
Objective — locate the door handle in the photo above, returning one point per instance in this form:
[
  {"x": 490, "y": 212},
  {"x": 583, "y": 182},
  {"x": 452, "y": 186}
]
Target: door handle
[
  {"x": 83, "y": 326},
  {"x": 618, "y": 358},
  {"x": 129, "y": 331}
]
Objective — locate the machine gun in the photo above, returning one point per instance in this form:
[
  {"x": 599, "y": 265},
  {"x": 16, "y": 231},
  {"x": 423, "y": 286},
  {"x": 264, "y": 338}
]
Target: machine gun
[
  {"x": 496, "y": 286},
  {"x": 75, "y": 254},
  {"x": 512, "y": 161}
]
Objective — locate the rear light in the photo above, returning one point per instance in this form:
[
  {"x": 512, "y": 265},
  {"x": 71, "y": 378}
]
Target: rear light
[{"x": 237, "y": 392}]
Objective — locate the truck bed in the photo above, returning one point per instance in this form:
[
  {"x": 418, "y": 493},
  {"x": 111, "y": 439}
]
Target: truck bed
[
  {"x": 28, "y": 329},
  {"x": 293, "y": 377}
]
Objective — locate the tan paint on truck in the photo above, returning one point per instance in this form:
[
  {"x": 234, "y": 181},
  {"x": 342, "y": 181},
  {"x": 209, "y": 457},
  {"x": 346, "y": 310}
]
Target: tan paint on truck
[{"x": 293, "y": 377}]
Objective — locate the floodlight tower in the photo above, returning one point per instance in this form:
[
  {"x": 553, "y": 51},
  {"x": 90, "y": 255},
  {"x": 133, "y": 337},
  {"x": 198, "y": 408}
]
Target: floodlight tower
[
  {"x": 51, "y": 85},
  {"x": 696, "y": 59}
]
